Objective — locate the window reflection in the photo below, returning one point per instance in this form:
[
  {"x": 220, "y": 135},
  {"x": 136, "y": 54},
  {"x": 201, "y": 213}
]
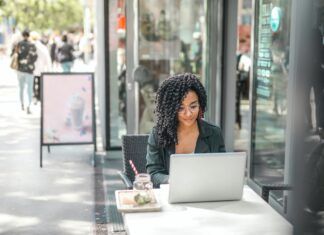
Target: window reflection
[
  {"x": 171, "y": 41},
  {"x": 271, "y": 66},
  {"x": 243, "y": 71},
  {"x": 117, "y": 71}
]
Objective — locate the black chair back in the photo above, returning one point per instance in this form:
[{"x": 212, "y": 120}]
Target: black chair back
[{"x": 134, "y": 148}]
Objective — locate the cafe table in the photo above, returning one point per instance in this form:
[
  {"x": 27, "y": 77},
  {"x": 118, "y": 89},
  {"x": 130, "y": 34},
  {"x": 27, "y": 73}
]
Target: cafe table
[{"x": 250, "y": 215}]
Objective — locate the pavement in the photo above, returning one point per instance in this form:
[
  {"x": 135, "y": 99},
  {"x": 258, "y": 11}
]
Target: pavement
[{"x": 66, "y": 196}]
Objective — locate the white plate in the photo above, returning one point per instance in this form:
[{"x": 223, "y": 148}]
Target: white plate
[{"x": 126, "y": 203}]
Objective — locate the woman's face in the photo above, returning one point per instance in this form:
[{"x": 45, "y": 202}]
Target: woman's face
[{"x": 189, "y": 110}]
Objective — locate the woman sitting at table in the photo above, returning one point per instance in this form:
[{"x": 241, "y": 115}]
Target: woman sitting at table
[{"x": 180, "y": 105}]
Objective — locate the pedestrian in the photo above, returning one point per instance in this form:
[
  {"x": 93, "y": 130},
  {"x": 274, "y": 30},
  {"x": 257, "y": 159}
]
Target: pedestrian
[
  {"x": 42, "y": 64},
  {"x": 27, "y": 56},
  {"x": 65, "y": 55},
  {"x": 84, "y": 48},
  {"x": 53, "y": 52}
]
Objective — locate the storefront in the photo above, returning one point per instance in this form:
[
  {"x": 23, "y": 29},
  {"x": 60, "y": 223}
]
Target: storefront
[
  {"x": 284, "y": 101},
  {"x": 269, "y": 93},
  {"x": 149, "y": 40},
  {"x": 145, "y": 41}
]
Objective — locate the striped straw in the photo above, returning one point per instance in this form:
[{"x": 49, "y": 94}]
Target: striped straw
[{"x": 133, "y": 167}]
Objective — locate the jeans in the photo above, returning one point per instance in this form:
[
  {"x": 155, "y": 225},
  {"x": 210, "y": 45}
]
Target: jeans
[
  {"x": 23, "y": 79},
  {"x": 66, "y": 66}
]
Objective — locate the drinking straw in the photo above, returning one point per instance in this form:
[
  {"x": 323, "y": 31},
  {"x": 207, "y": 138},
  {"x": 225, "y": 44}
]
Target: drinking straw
[{"x": 133, "y": 167}]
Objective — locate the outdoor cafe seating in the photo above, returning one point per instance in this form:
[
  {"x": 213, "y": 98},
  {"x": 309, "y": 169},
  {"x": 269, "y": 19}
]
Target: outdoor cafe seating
[{"x": 224, "y": 217}]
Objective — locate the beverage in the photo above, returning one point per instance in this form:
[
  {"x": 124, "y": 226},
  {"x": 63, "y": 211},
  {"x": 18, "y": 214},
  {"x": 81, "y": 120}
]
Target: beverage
[
  {"x": 142, "y": 182},
  {"x": 143, "y": 185},
  {"x": 77, "y": 109}
]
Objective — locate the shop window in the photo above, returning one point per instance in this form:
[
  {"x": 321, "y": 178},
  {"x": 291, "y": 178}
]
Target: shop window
[{"x": 270, "y": 81}]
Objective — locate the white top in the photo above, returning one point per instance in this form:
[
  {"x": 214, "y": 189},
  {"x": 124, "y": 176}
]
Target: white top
[
  {"x": 251, "y": 215},
  {"x": 43, "y": 62}
]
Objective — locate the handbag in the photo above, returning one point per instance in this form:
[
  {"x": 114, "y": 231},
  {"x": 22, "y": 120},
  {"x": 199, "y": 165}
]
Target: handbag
[{"x": 14, "y": 61}]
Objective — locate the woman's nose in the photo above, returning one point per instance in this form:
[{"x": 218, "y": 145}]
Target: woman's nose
[{"x": 188, "y": 112}]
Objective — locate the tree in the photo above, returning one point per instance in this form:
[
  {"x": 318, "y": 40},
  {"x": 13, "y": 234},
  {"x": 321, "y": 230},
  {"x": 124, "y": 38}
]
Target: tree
[{"x": 43, "y": 14}]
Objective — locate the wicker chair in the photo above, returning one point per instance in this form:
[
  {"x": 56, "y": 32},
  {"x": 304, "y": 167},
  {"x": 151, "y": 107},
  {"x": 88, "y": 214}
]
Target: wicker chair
[{"x": 134, "y": 148}]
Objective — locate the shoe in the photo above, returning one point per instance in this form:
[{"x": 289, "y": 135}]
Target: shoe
[{"x": 28, "y": 110}]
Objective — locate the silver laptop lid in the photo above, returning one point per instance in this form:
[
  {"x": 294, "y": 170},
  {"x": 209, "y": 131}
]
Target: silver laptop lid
[{"x": 206, "y": 177}]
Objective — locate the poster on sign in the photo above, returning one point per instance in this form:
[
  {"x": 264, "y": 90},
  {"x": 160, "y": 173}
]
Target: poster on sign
[{"x": 67, "y": 115}]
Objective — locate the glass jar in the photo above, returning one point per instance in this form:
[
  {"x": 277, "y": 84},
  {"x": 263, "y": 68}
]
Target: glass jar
[
  {"x": 143, "y": 185},
  {"x": 142, "y": 182}
]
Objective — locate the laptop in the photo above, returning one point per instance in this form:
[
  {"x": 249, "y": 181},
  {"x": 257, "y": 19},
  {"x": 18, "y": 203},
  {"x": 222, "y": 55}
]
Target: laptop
[{"x": 201, "y": 177}]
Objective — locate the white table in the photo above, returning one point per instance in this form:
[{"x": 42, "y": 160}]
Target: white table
[{"x": 251, "y": 215}]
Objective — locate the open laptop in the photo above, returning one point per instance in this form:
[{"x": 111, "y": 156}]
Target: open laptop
[{"x": 203, "y": 177}]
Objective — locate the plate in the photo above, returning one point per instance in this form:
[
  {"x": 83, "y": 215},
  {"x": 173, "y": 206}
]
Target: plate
[{"x": 125, "y": 200}]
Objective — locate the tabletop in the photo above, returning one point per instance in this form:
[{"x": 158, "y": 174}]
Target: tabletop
[{"x": 251, "y": 215}]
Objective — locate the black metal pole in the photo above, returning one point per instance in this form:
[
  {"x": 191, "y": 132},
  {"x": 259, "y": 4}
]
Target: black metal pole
[
  {"x": 41, "y": 156},
  {"x": 94, "y": 156}
]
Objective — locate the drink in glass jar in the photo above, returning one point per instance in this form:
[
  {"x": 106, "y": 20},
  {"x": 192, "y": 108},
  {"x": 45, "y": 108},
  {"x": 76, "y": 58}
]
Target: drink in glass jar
[{"x": 143, "y": 185}]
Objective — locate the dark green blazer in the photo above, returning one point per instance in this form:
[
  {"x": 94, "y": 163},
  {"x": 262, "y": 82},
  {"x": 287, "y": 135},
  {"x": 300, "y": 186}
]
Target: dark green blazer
[{"x": 210, "y": 140}]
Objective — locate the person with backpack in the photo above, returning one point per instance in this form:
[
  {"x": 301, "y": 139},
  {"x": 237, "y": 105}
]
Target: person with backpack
[
  {"x": 27, "y": 56},
  {"x": 65, "y": 55}
]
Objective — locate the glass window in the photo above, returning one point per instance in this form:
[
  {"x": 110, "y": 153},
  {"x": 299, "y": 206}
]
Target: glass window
[
  {"x": 270, "y": 74},
  {"x": 247, "y": 4},
  {"x": 243, "y": 71},
  {"x": 246, "y": 19},
  {"x": 117, "y": 71},
  {"x": 171, "y": 41}
]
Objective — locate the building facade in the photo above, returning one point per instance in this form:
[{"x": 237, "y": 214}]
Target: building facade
[{"x": 247, "y": 54}]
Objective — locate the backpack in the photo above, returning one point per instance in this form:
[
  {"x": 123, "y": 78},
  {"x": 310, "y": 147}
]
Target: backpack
[
  {"x": 27, "y": 56},
  {"x": 315, "y": 178}
]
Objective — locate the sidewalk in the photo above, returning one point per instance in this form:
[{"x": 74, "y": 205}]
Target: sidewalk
[{"x": 60, "y": 198}]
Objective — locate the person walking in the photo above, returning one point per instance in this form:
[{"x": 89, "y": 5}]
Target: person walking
[
  {"x": 27, "y": 56},
  {"x": 65, "y": 55},
  {"x": 42, "y": 64}
]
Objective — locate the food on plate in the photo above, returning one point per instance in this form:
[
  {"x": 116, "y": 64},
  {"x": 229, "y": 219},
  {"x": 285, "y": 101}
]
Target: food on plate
[{"x": 142, "y": 198}]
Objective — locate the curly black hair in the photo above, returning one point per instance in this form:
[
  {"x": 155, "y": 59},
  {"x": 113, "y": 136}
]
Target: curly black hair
[{"x": 168, "y": 101}]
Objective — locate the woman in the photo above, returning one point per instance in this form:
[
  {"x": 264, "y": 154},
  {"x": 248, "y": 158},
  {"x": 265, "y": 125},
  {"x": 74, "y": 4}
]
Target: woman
[{"x": 180, "y": 104}]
